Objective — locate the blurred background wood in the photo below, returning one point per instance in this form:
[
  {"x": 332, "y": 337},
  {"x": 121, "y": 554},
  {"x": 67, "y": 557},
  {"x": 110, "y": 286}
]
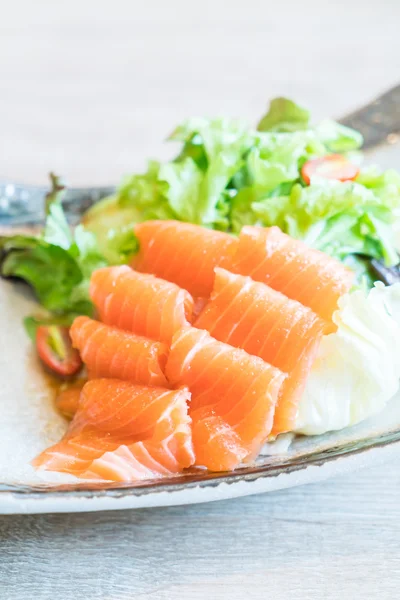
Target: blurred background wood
[
  {"x": 90, "y": 89},
  {"x": 332, "y": 540}
]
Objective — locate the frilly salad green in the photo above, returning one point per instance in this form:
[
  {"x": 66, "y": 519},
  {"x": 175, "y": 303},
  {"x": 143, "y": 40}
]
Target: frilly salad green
[{"x": 227, "y": 175}]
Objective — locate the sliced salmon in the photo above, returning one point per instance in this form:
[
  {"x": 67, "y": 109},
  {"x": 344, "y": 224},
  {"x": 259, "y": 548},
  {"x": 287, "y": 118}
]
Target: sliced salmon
[
  {"x": 265, "y": 323},
  {"x": 199, "y": 304},
  {"x": 142, "y": 304},
  {"x": 123, "y": 409},
  {"x": 183, "y": 253},
  {"x": 145, "y": 438},
  {"x": 217, "y": 445},
  {"x": 67, "y": 400},
  {"x": 74, "y": 454},
  {"x": 95, "y": 456},
  {"x": 311, "y": 277},
  {"x": 242, "y": 390},
  {"x": 111, "y": 352}
]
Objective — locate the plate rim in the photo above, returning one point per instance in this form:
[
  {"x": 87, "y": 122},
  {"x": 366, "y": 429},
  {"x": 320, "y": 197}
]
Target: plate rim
[
  {"x": 275, "y": 472},
  {"x": 311, "y": 467}
]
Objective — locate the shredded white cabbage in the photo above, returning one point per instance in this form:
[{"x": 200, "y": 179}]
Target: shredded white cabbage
[{"x": 358, "y": 367}]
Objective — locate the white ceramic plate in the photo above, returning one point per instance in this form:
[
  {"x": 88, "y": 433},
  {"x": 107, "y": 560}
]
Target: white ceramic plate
[{"x": 29, "y": 422}]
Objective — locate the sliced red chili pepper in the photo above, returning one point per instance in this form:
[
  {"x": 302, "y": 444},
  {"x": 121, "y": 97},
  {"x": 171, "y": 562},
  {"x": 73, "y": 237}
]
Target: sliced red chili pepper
[
  {"x": 54, "y": 347},
  {"x": 333, "y": 166}
]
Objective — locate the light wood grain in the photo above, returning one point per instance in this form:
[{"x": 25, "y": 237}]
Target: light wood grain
[
  {"x": 338, "y": 539},
  {"x": 90, "y": 89}
]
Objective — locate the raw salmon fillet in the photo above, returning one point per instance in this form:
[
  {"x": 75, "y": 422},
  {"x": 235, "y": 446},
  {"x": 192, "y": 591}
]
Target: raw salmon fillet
[
  {"x": 265, "y": 323},
  {"x": 111, "y": 352},
  {"x": 67, "y": 400},
  {"x": 217, "y": 445},
  {"x": 142, "y": 304},
  {"x": 139, "y": 433},
  {"x": 311, "y": 277},
  {"x": 240, "y": 392},
  {"x": 183, "y": 253},
  {"x": 123, "y": 409},
  {"x": 199, "y": 304}
]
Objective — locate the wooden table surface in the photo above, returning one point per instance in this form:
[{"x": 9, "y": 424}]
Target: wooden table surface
[{"x": 90, "y": 89}]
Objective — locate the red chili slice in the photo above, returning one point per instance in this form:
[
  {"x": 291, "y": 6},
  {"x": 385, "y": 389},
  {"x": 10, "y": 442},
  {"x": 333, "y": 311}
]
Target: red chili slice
[
  {"x": 54, "y": 347},
  {"x": 333, "y": 166}
]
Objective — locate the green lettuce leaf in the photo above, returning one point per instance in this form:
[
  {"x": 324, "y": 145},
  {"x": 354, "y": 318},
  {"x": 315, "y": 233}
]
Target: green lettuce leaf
[
  {"x": 221, "y": 145},
  {"x": 58, "y": 263},
  {"x": 184, "y": 180},
  {"x": 193, "y": 187},
  {"x": 338, "y": 138},
  {"x": 338, "y": 218},
  {"x": 226, "y": 175},
  {"x": 112, "y": 225},
  {"x": 249, "y": 207},
  {"x": 272, "y": 168},
  {"x": 50, "y": 270},
  {"x": 194, "y": 195},
  {"x": 284, "y": 115},
  {"x": 211, "y": 137},
  {"x": 384, "y": 184},
  {"x": 112, "y": 220},
  {"x": 56, "y": 230},
  {"x": 279, "y": 157}
]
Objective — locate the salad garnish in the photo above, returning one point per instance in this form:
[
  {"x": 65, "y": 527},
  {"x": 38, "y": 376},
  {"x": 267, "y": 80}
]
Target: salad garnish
[{"x": 303, "y": 177}]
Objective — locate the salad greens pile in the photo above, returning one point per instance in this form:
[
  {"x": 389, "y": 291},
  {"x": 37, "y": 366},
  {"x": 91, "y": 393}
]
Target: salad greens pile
[
  {"x": 225, "y": 175},
  {"x": 57, "y": 264}
]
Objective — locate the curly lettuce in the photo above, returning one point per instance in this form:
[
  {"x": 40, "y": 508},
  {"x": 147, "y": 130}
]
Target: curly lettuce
[
  {"x": 56, "y": 264},
  {"x": 227, "y": 175},
  {"x": 344, "y": 219}
]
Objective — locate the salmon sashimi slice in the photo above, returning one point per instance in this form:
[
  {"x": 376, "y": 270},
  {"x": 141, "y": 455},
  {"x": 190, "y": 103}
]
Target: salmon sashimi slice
[
  {"x": 250, "y": 315},
  {"x": 240, "y": 389},
  {"x": 199, "y": 304},
  {"x": 309, "y": 276},
  {"x": 140, "y": 303},
  {"x": 217, "y": 446},
  {"x": 140, "y": 461},
  {"x": 183, "y": 253},
  {"x": 101, "y": 458},
  {"x": 123, "y": 409},
  {"x": 111, "y": 352},
  {"x": 131, "y": 450},
  {"x": 67, "y": 400},
  {"x": 74, "y": 455}
]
